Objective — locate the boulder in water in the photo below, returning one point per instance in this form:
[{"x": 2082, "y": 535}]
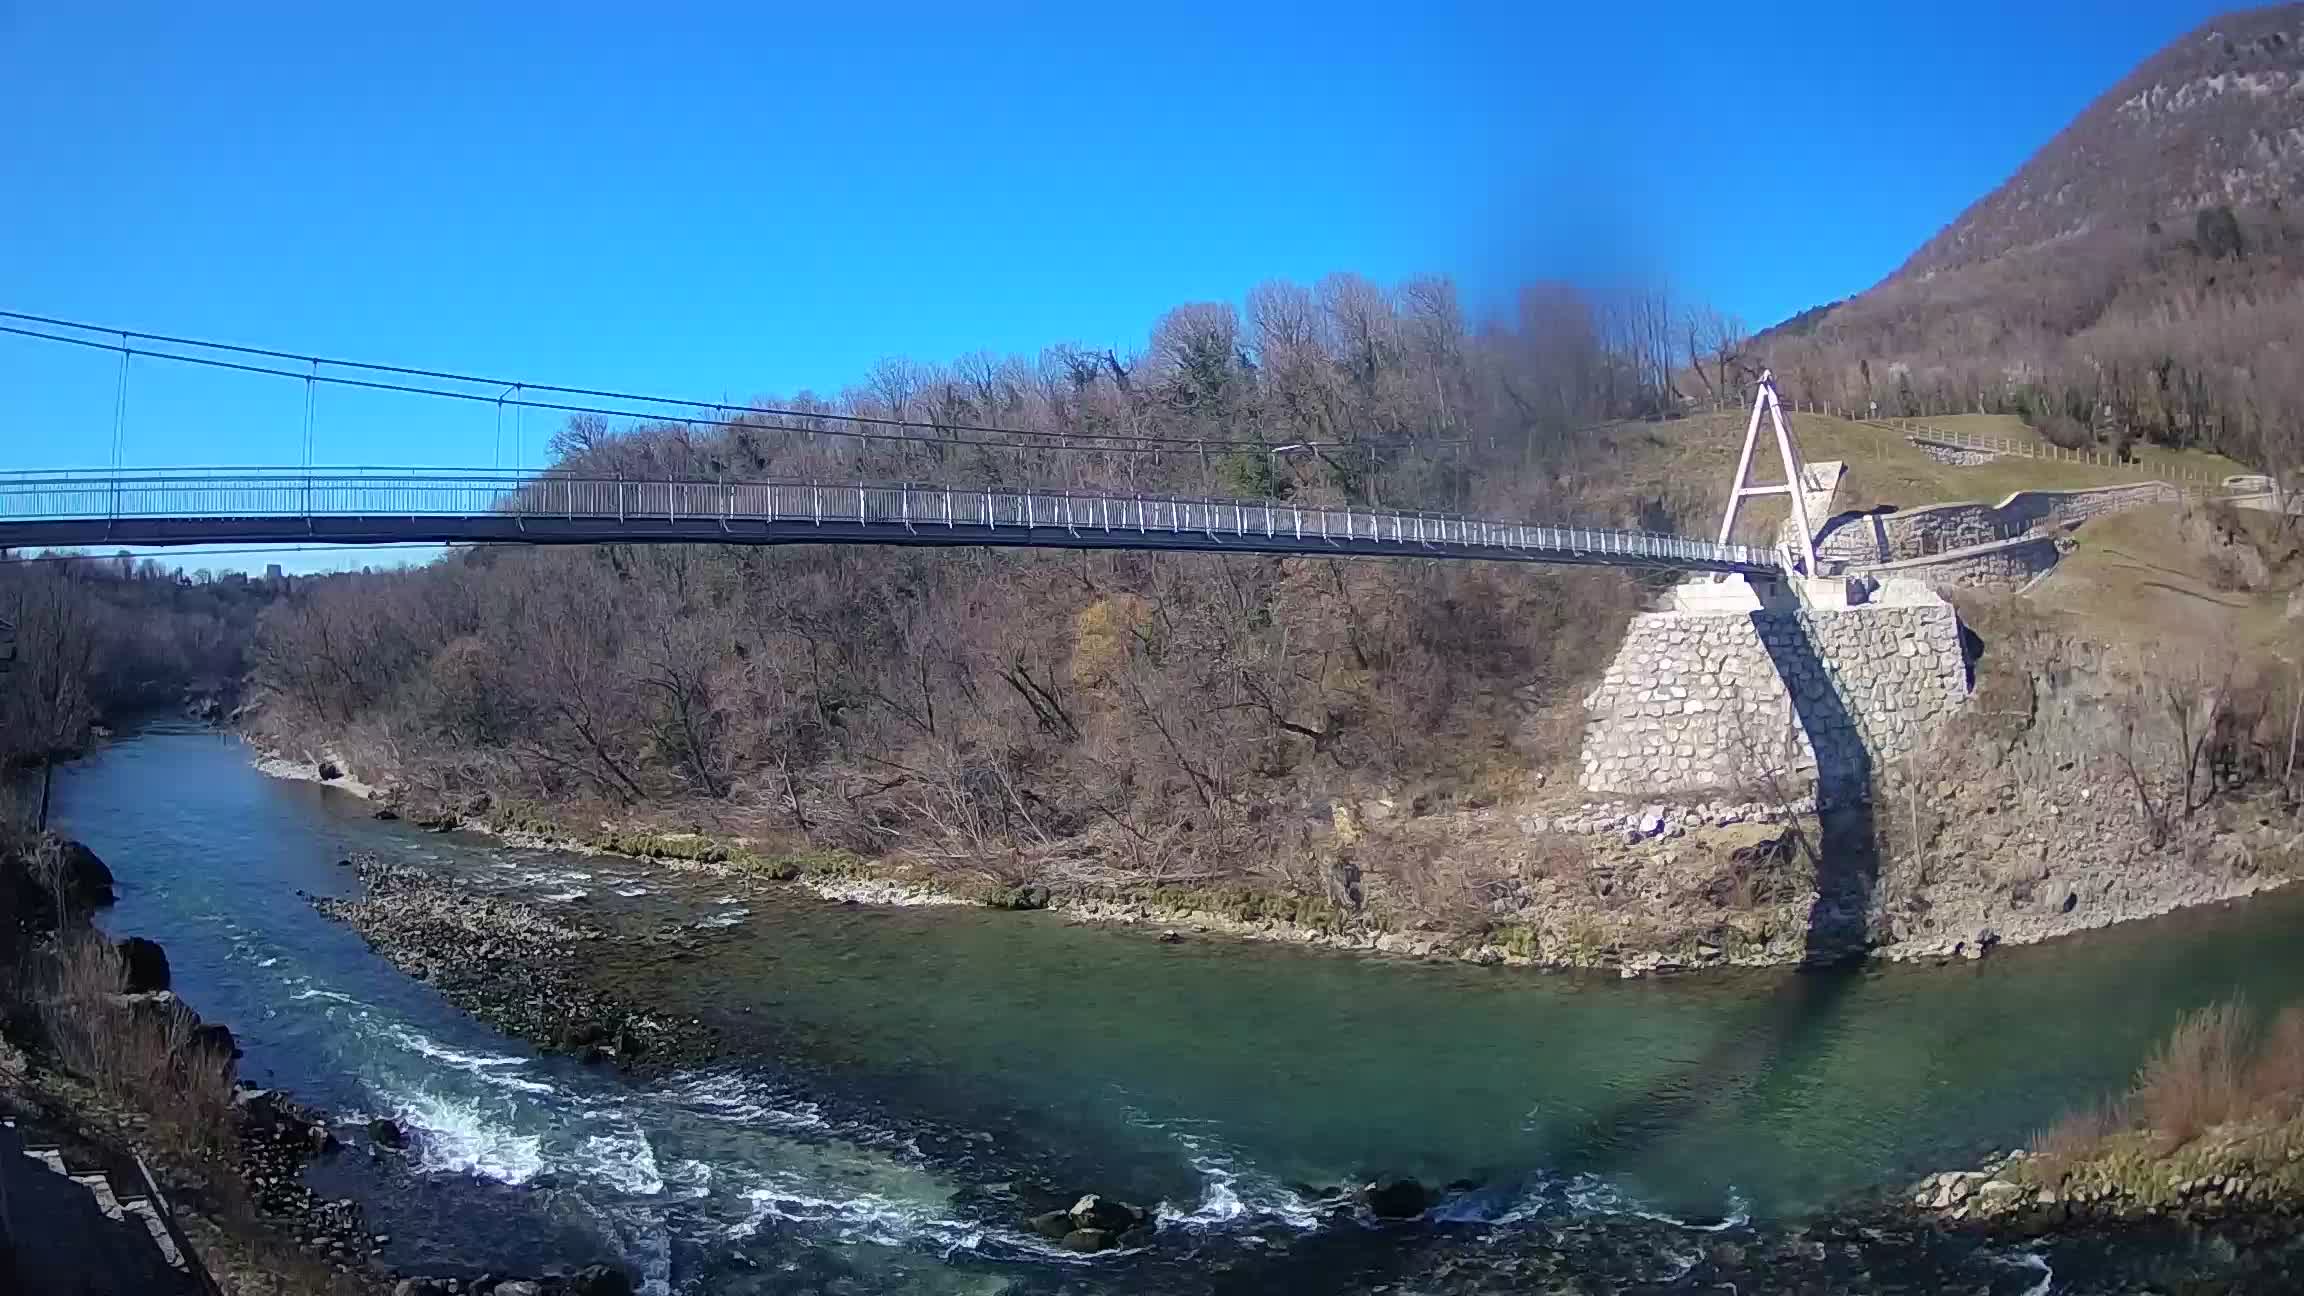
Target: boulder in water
[
  {"x": 90, "y": 880},
  {"x": 418, "y": 1287},
  {"x": 1104, "y": 1215},
  {"x": 1053, "y": 1225},
  {"x": 1396, "y": 1198},
  {"x": 143, "y": 965},
  {"x": 1087, "y": 1240},
  {"x": 579, "y": 1035},
  {"x": 387, "y": 1133},
  {"x": 54, "y": 870},
  {"x": 599, "y": 1280},
  {"x": 330, "y": 771},
  {"x": 216, "y": 1040}
]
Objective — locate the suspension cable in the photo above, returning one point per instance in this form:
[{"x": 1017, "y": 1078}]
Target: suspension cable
[{"x": 441, "y": 375}]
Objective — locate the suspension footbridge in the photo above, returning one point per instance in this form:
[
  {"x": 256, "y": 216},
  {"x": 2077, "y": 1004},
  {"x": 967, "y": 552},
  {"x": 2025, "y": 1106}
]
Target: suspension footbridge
[
  {"x": 578, "y": 502},
  {"x": 375, "y": 506}
]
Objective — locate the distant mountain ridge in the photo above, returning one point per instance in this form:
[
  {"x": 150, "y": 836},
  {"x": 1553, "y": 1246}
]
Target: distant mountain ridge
[
  {"x": 2217, "y": 118},
  {"x": 2142, "y": 276}
]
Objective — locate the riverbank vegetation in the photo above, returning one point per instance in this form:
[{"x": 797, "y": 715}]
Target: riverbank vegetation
[
  {"x": 2211, "y": 1131},
  {"x": 2227, "y": 1081},
  {"x": 101, "y": 1059},
  {"x": 1033, "y": 719},
  {"x": 98, "y": 640},
  {"x": 1263, "y": 740}
]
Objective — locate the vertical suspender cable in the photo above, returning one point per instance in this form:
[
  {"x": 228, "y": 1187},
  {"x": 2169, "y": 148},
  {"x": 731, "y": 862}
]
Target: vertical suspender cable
[
  {"x": 496, "y": 452},
  {"x": 119, "y": 421},
  {"x": 311, "y": 385},
  {"x": 120, "y": 406}
]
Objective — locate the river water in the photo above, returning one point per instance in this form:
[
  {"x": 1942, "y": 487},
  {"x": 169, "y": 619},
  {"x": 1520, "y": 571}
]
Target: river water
[{"x": 907, "y": 1071}]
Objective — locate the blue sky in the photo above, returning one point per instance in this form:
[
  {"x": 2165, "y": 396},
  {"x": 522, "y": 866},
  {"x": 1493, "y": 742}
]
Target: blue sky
[{"x": 746, "y": 199}]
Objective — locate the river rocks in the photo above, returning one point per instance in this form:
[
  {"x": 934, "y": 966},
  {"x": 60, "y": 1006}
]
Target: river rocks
[
  {"x": 143, "y": 965},
  {"x": 1656, "y": 821},
  {"x": 215, "y": 1039},
  {"x": 85, "y": 878},
  {"x": 512, "y": 966},
  {"x": 1092, "y": 1223},
  {"x": 1103, "y": 1213},
  {"x": 33, "y": 881},
  {"x": 599, "y": 1280},
  {"x": 1396, "y": 1198}
]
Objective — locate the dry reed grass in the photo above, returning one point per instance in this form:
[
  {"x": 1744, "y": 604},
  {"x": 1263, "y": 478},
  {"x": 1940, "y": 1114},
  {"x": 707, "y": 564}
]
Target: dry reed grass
[
  {"x": 146, "y": 1051},
  {"x": 2215, "y": 1068}
]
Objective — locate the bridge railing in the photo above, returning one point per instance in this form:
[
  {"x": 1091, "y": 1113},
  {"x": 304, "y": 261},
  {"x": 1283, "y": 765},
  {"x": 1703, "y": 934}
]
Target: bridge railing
[{"x": 417, "y": 493}]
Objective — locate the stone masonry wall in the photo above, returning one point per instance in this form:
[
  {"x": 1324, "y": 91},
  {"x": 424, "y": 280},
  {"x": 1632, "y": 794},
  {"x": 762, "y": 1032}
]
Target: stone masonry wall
[
  {"x": 1706, "y": 701},
  {"x": 1919, "y": 532},
  {"x": 1957, "y": 456},
  {"x": 2006, "y": 565}
]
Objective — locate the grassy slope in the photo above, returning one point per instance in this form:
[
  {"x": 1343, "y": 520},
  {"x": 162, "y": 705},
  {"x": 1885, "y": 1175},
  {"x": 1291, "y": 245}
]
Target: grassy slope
[
  {"x": 1689, "y": 461},
  {"x": 2136, "y": 578},
  {"x": 2149, "y": 459},
  {"x": 2133, "y": 577}
]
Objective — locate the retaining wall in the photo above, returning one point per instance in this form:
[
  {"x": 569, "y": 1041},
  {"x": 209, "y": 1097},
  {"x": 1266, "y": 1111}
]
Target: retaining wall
[
  {"x": 1706, "y": 701},
  {"x": 1958, "y": 456},
  {"x": 1921, "y": 532},
  {"x": 2001, "y": 565}
]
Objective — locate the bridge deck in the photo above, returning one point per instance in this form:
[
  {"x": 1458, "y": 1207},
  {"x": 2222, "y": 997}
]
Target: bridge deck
[{"x": 385, "y": 506}]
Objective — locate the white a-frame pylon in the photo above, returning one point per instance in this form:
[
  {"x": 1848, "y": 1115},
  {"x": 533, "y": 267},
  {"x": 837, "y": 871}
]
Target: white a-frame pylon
[{"x": 1795, "y": 473}]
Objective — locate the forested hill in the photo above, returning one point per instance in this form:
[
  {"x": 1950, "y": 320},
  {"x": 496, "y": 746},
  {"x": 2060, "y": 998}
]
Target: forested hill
[
  {"x": 2141, "y": 276},
  {"x": 1037, "y": 716},
  {"x": 100, "y": 639}
]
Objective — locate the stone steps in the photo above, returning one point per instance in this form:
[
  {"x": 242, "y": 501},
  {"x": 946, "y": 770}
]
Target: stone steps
[{"x": 80, "y": 1220}]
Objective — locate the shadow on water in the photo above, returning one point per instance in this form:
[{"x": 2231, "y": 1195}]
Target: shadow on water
[{"x": 1790, "y": 1025}]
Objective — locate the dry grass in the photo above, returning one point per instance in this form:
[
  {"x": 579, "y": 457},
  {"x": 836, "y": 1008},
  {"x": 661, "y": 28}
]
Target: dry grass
[
  {"x": 1652, "y": 460},
  {"x": 146, "y": 1054},
  {"x": 2134, "y": 577},
  {"x": 2217, "y": 1067},
  {"x": 2077, "y": 1134},
  {"x": 2275, "y": 1076},
  {"x": 2192, "y": 1082}
]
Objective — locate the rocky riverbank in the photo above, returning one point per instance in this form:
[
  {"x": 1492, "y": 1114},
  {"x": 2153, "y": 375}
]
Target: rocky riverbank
[
  {"x": 2246, "y": 1178},
  {"x": 103, "y": 1062},
  {"x": 513, "y": 967},
  {"x": 1993, "y": 838}
]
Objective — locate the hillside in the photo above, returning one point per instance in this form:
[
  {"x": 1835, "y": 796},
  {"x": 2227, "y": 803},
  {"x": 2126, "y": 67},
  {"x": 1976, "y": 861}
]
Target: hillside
[
  {"x": 2216, "y": 119},
  {"x": 2140, "y": 278}
]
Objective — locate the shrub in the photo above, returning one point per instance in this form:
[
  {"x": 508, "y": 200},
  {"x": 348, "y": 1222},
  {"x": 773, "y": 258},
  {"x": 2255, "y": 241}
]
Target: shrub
[
  {"x": 2077, "y": 1134},
  {"x": 2275, "y": 1079},
  {"x": 147, "y": 1052},
  {"x": 2193, "y": 1080}
]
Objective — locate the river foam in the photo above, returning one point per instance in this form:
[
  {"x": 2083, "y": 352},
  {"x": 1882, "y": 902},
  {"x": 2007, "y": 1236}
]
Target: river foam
[{"x": 458, "y": 1136}]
